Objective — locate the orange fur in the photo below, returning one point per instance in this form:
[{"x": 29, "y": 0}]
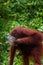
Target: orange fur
[{"x": 29, "y": 42}]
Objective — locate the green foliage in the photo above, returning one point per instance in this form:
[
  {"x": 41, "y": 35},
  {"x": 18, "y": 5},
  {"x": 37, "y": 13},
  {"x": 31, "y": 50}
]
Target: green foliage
[{"x": 26, "y": 13}]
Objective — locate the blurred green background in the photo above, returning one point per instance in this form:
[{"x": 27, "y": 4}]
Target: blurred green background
[{"x": 26, "y": 13}]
